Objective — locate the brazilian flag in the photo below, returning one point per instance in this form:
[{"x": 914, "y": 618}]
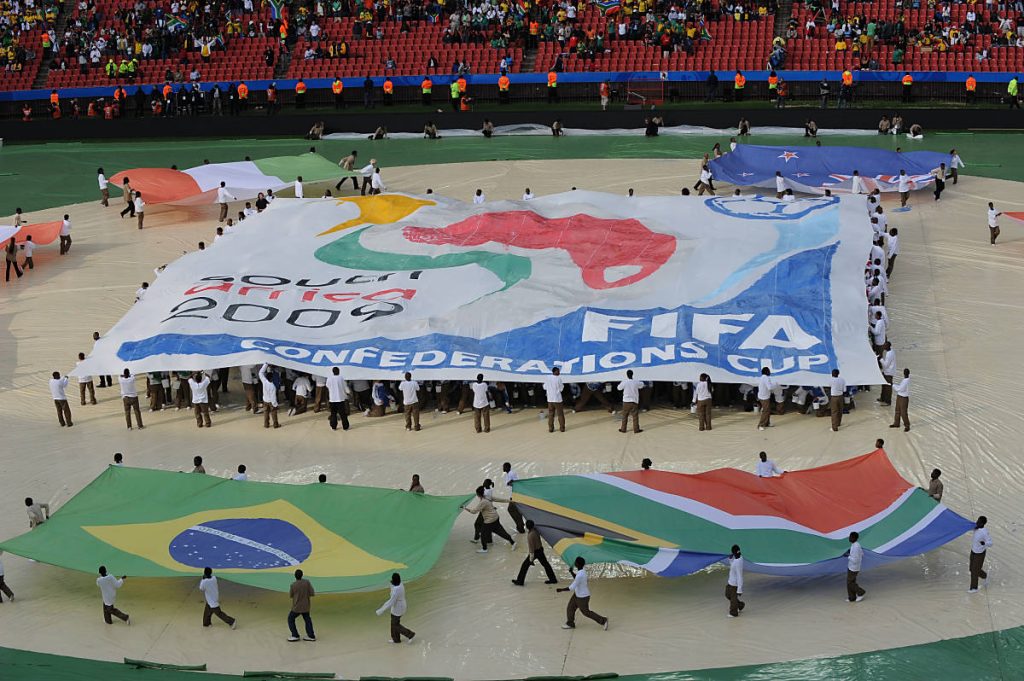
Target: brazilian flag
[{"x": 149, "y": 523}]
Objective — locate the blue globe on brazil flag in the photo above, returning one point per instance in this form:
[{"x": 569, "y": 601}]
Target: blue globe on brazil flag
[{"x": 241, "y": 543}]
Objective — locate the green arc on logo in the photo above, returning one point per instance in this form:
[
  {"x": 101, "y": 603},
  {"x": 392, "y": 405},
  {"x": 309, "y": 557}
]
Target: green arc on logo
[{"x": 347, "y": 251}]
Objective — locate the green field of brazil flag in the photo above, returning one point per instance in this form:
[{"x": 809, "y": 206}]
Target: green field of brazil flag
[{"x": 148, "y": 523}]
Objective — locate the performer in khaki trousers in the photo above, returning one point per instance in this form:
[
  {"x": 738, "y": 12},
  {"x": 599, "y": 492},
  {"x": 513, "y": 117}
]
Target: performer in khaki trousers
[
  {"x": 553, "y": 387},
  {"x": 85, "y": 384},
  {"x": 837, "y": 389},
  {"x": 902, "y": 403},
  {"x": 130, "y": 398},
  {"x": 630, "y": 389},
  {"x": 481, "y": 405}
]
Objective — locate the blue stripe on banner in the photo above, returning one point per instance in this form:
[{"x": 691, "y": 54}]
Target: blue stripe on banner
[
  {"x": 945, "y": 528},
  {"x": 792, "y": 297}
]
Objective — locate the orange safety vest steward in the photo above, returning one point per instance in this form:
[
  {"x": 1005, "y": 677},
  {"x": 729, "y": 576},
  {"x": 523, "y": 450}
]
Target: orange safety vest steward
[
  {"x": 337, "y": 86},
  {"x": 503, "y": 83},
  {"x": 847, "y": 78},
  {"x": 739, "y": 81},
  {"x": 552, "y": 79},
  {"x": 389, "y": 87},
  {"x": 907, "y": 80},
  {"x": 243, "y": 91},
  {"x": 462, "y": 84},
  {"x": 54, "y": 97},
  {"x": 300, "y": 88},
  {"x": 427, "y": 85},
  {"x": 972, "y": 84},
  {"x": 167, "y": 90}
]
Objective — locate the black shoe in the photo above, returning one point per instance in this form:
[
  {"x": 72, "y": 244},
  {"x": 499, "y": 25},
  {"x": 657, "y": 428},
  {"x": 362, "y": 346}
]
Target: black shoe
[{"x": 517, "y": 582}]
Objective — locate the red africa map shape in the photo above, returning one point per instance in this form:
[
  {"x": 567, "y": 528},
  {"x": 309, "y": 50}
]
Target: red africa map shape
[{"x": 594, "y": 244}]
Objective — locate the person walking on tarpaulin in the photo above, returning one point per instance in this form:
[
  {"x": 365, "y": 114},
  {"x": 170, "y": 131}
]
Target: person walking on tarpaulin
[
  {"x": 580, "y": 599},
  {"x": 396, "y": 604},
  {"x": 536, "y": 554}
]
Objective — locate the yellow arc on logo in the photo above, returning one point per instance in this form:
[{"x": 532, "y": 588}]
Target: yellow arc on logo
[
  {"x": 331, "y": 556},
  {"x": 379, "y": 210}
]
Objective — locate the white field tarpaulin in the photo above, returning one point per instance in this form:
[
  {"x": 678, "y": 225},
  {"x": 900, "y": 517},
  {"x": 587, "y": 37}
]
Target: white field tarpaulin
[{"x": 594, "y": 283}]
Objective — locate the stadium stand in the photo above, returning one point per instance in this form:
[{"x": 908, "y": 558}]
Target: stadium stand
[
  {"x": 906, "y": 35},
  {"x": 23, "y": 47}
]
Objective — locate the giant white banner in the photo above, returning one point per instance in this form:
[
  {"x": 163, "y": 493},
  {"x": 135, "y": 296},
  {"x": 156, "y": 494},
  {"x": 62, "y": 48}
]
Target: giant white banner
[{"x": 594, "y": 283}]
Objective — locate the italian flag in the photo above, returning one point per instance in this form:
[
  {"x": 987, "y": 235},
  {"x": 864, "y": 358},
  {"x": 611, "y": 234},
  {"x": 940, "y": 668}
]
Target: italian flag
[{"x": 243, "y": 179}]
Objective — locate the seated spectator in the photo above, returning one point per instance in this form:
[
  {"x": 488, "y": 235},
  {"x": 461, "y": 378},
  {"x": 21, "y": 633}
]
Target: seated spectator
[{"x": 884, "y": 125}]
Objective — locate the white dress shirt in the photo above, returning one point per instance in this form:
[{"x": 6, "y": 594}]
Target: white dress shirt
[
  {"x": 889, "y": 362},
  {"x": 980, "y": 541},
  {"x": 780, "y": 183},
  {"x": 580, "y": 587},
  {"x": 240, "y": 477},
  {"x": 878, "y": 331},
  {"x": 211, "y": 592},
  {"x": 528, "y": 196},
  {"x": 128, "y": 388},
  {"x": 298, "y": 189},
  {"x": 223, "y": 195},
  {"x": 765, "y": 385},
  {"x": 478, "y": 199},
  {"x": 396, "y": 601},
  {"x": 302, "y": 386},
  {"x": 480, "y": 397},
  {"x": 410, "y": 391},
  {"x": 993, "y": 217},
  {"x": 701, "y": 391},
  {"x": 856, "y": 556},
  {"x": 140, "y": 205},
  {"x": 837, "y": 385},
  {"x": 337, "y": 391},
  {"x": 102, "y": 179},
  {"x": 510, "y": 478},
  {"x": 376, "y": 182},
  {"x": 894, "y": 245},
  {"x": 768, "y": 469},
  {"x": 108, "y": 588},
  {"x": 736, "y": 573},
  {"x": 65, "y": 228},
  {"x": 199, "y": 394},
  {"x": 904, "y": 183},
  {"x": 631, "y": 390},
  {"x": 57, "y": 386},
  {"x": 553, "y": 388},
  {"x": 269, "y": 389},
  {"x": 857, "y": 185},
  {"x": 903, "y": 387}
]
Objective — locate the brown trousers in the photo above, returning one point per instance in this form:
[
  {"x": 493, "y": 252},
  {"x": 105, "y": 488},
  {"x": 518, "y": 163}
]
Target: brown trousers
[
  {"x": 251, "y": 403},
  {"x": 270, "y": 412},
  {"x": 202, "y": 412},
  {"x": 853, "y": 589},
  {"x": 132, "y": 404},
  {"x": 977, "y": 562},
  {"x": 735, "y": 604},
  {"x": 630, "y": 409},
  {"x": 141, "y": 216},
  {"x": 63, "y": 412},
  {"x": 484, "y": 414},
  {"x": 556, "y": 408},
  {"x": 109, "y": 610},
  {"x": 91, "y": 387},
  {"x": 902, "y": 406},
  {"x": 155, "y": 393},
  {"x": 223, "y": 212},
  {"x": 104, "y": 197},
  {"x": 835, "y": 408},
  {"x": 766, "y": 413},
  {"x": 412, "y": 416},
  {"x": 517, "y": 517},
  {"x": 886, "y": 396},
  {"x": 300, "y": 405},
  {"x": 209, "y": 612},
  {"x": 583, "y": 605},
  {"x": 704, "y": 414},
  {"x": 319, "y": 398},
  {"x": 398, "y": 631}
]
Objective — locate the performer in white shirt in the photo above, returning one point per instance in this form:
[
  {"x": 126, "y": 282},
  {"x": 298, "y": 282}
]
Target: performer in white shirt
[
  {"x": 377, "y": 183},
  {"x": 65, "y": 235},
  {"x": 856, "y": 184},
  {"x": 241, "y": 475},
  {"x": 266, "y": 377},
  {"x": 630, "y": 389},
  {"x": 837, "y": 389},
  {"x": 854, "y": 557},
  {"x": 301, "y": 387},
  {"x": 580, "y": 599},
  {"x": 527, "y": 195},
  {"x": 109, "y": 584},
  {"x": 765, "y": 386},
  {"x": 397, "y": 606},
  {"x": 734, "y": 587},
  {"x": 105, "y": 191},
  {"x": 410, "y": 390},
  {"x": 140, "y": 208},
  {"x": 993, "y": 223},
  {"x": 780, "y": 184},
  {"x": 223, "y": 197},
  {"x": 337, "y": 398},
  {"x": 888, "y": 366},
  {"x": 893, "y": 248},
  {"x": 211, "y": 592},
  {"x": 902, "y": 403},
  {"x": 130, "y": 398},
  {"x": 980, "y": 543},
  {"x": 553, "y": 387},
  {"x": 198, "y": 385},
  {"x": 479, "y": 197},
  {"x": 904, "y": 188},
  {"x": 766, "y": 468},
  {"x": 481, "y": 404},
  {"x": 298, "y": 188},
  {"x": 702, "y": 400}
]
